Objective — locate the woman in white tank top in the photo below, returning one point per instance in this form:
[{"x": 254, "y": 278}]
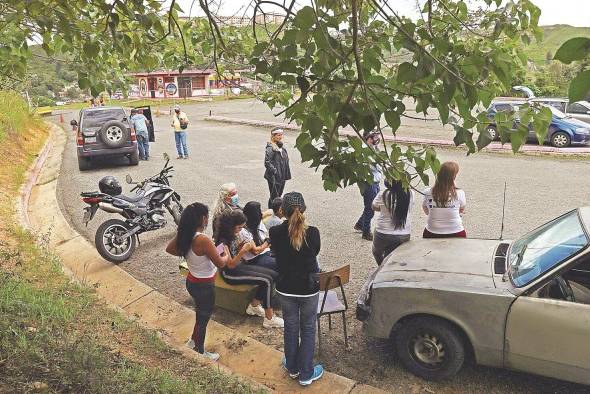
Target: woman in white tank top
[{"x": 203, "y": 260}]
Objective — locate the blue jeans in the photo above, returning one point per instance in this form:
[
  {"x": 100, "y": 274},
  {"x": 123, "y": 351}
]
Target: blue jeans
[
  {"x": 265, "y": 260},
  {"x": 180, "y": 138},
  {"x": 369, "y": 195},
  {"x": 300, "y": 314},
  {"x": 143, "y": 144}
]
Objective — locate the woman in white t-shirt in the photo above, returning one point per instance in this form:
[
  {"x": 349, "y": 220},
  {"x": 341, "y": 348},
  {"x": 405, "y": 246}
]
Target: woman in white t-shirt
[
  {"x": 393, "y": 224},
  {"x": 444, "y": 204},
  {"x": 256, "y": 231}
]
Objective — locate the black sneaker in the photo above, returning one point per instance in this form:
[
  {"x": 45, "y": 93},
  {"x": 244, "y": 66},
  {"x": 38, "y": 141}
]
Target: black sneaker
[
  {"x": 357, "y": 227},
  {"x": 368, "y": 236}
]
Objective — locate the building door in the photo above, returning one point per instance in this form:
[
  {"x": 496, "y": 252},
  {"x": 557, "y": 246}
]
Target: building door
[
  {"x": 152, "y": 86},
  {"x": 185, "y": 88}
]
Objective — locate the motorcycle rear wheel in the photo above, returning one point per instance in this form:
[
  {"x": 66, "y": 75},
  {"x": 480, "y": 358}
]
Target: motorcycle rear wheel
[{"x": 110, "y": 248}]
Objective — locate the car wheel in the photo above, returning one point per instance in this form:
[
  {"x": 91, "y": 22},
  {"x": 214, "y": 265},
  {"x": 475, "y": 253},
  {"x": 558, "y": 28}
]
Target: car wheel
[
  {"x": 84, "y": 163},
  {"x": 560, "y": 139},
  {"x": 430, "y": 348},
  {"x": 134, "y": 158},
  {"x": 493, "y": 132},
  {"x": 114, "y": 134}
]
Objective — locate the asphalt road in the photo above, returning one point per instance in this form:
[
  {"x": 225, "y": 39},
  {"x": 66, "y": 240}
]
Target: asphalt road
[{"x": 538, "y": 189}]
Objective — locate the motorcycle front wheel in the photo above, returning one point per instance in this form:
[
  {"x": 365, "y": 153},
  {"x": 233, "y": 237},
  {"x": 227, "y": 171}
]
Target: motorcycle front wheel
[
  {"x": 175, "y": 208},
  {"x": 109, "y": 246}
]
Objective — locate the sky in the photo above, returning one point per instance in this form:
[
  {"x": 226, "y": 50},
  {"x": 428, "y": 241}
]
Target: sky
[{"x": 568, "y": 12}]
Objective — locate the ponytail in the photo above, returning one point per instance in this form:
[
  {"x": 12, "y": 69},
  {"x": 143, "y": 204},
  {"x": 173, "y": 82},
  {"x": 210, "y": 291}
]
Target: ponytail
[{"x": 297, "y": 228}]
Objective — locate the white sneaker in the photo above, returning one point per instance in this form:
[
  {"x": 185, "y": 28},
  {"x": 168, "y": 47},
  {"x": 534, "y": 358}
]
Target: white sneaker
[
  {"x": 274, "y": 322},
  {"x": 211, "y": 356},
  {"x": 190, "y": 344},
  {"x": 257, "y": 310}
]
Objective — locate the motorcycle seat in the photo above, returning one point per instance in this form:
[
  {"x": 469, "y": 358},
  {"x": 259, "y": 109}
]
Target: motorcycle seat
[{"x": 132, "y": 199}]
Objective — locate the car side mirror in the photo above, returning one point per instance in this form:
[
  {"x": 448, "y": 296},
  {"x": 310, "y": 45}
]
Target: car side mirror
[
  {"x": 128, "y": 179},
  {"x": 74, "y": 122}
]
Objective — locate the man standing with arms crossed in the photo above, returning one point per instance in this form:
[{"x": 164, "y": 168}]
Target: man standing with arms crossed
[{"x": 276, "y": 162}]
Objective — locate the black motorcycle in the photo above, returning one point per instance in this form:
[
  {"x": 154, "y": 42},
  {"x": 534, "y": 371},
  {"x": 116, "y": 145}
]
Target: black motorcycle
[{"x": 116, "y": 239}]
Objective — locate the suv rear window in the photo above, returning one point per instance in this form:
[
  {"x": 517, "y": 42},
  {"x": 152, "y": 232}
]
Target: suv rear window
[{"x": 98, "y": 118}]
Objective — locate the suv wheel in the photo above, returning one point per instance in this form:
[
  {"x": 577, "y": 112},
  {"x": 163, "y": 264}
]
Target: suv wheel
[
  {"x": 560, "y": 140},
  {"x": 84, "y": 163},
  {"x": 430, "y": 348},
  {"x": 114, "y": 134}
]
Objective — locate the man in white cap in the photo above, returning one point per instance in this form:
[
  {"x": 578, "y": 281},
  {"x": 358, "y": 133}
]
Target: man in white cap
[
  {"x": 180, "y": 124},
  {"x": 276, "y": 162}
]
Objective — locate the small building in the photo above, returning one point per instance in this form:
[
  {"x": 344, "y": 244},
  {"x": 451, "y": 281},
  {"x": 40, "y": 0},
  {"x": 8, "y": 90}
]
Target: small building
[{"x": 189, "y": 83}]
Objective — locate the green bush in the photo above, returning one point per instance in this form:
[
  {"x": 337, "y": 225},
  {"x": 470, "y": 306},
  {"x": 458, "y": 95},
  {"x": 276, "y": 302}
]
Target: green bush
[{"x": 14, "y": 113}]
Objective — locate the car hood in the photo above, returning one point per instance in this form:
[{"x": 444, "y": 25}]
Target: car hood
[{"x": 440, "y": 263}]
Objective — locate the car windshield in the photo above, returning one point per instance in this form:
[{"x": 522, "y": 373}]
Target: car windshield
[
  {"x": 557, "y": 113},
  {"x": 538, "y": 252},
  {"x": 100, "y": 117}
]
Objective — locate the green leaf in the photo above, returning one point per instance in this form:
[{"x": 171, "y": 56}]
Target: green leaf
[
  {"x": 541, "y": 122},
  {"x": 579, "y": 86},
  {"x": 315, "y": 125},
  {"x": 406, "y": 72},
  {"x": 573, "y": 49},
  {"x": 305, "y": 18},
  {"x": 464, "y": 136},
  {"x": 393, "y": 120}
]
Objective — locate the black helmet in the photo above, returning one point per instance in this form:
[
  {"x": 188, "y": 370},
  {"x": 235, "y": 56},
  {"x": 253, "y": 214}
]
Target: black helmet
[{"x": 110, "y": 185}]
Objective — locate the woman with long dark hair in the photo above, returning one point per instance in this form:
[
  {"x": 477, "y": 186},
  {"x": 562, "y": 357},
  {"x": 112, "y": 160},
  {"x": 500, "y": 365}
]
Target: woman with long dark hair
[
  {"x": 229, "y": 225},
  {"x": 203, "y": 260},
  {"x": 393, "y": 225},
  {"x": 444, "y": 204},
  {"x": 296, "y": 246},
  {"x": 256, "y": 231}
]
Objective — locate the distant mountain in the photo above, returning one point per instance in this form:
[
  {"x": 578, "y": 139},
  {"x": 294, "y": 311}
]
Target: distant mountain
[{"x": 553, "y": 37}]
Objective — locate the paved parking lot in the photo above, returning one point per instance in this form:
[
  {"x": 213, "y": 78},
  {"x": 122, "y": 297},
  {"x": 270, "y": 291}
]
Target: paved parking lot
[{"x": 538, "y": 189}]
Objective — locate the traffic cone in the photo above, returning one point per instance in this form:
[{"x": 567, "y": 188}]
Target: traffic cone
[{"x": 61, "y": 118}]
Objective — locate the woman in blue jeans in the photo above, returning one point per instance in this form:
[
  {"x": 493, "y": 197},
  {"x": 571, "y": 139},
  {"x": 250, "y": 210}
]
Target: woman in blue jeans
[{"x": 296, "y": 246}]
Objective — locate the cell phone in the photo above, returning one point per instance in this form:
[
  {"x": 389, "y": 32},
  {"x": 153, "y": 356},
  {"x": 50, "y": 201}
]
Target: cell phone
[{"x": 220, "y": 249}]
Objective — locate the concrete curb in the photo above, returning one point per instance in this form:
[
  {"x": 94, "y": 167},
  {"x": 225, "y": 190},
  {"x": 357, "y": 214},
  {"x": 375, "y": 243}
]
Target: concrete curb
[
  {"x": 494, "y": 147},
  {"x": 239, "y": 354}
]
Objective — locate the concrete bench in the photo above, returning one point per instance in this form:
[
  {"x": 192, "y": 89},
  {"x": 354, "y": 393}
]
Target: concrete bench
[{"x": 233, "y": 298}]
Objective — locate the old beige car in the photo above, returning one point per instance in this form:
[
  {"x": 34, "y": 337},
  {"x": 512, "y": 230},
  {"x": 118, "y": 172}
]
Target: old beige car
[{"x": 522, "y": 305}]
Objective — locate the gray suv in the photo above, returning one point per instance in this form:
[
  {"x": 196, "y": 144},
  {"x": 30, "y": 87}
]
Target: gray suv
[{"x": 104, "y": 131}]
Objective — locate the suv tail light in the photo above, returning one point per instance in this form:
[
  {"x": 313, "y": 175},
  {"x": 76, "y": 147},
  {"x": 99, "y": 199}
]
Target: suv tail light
[
  {"x": 79, "y": 138},
  {"x": 132, "y": 134}
]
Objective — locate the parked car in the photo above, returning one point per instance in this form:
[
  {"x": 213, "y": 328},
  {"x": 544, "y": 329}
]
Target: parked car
[
  {"x": 579, "y": 110},
  {"x": 563, "y": 129},
  {"x": 104, "y": 131},
  {"x": 522, "y": 305}
]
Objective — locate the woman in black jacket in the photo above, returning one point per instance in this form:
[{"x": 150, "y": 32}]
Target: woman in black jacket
[
  {"x": 276, "y": 162},
  {"x": 296, "y": 246}
]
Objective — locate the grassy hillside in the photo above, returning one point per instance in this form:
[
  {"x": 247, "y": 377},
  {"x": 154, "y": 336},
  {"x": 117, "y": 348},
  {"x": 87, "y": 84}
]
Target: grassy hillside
[
  {"x": 57, "y": 336},
  {"x": 553, "y": 37}
]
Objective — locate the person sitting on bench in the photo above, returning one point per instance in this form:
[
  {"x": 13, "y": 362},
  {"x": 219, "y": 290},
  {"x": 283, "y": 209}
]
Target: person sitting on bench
[
  {"x": 256, "y": 231},
  {"x": 229, "y": 225}
]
